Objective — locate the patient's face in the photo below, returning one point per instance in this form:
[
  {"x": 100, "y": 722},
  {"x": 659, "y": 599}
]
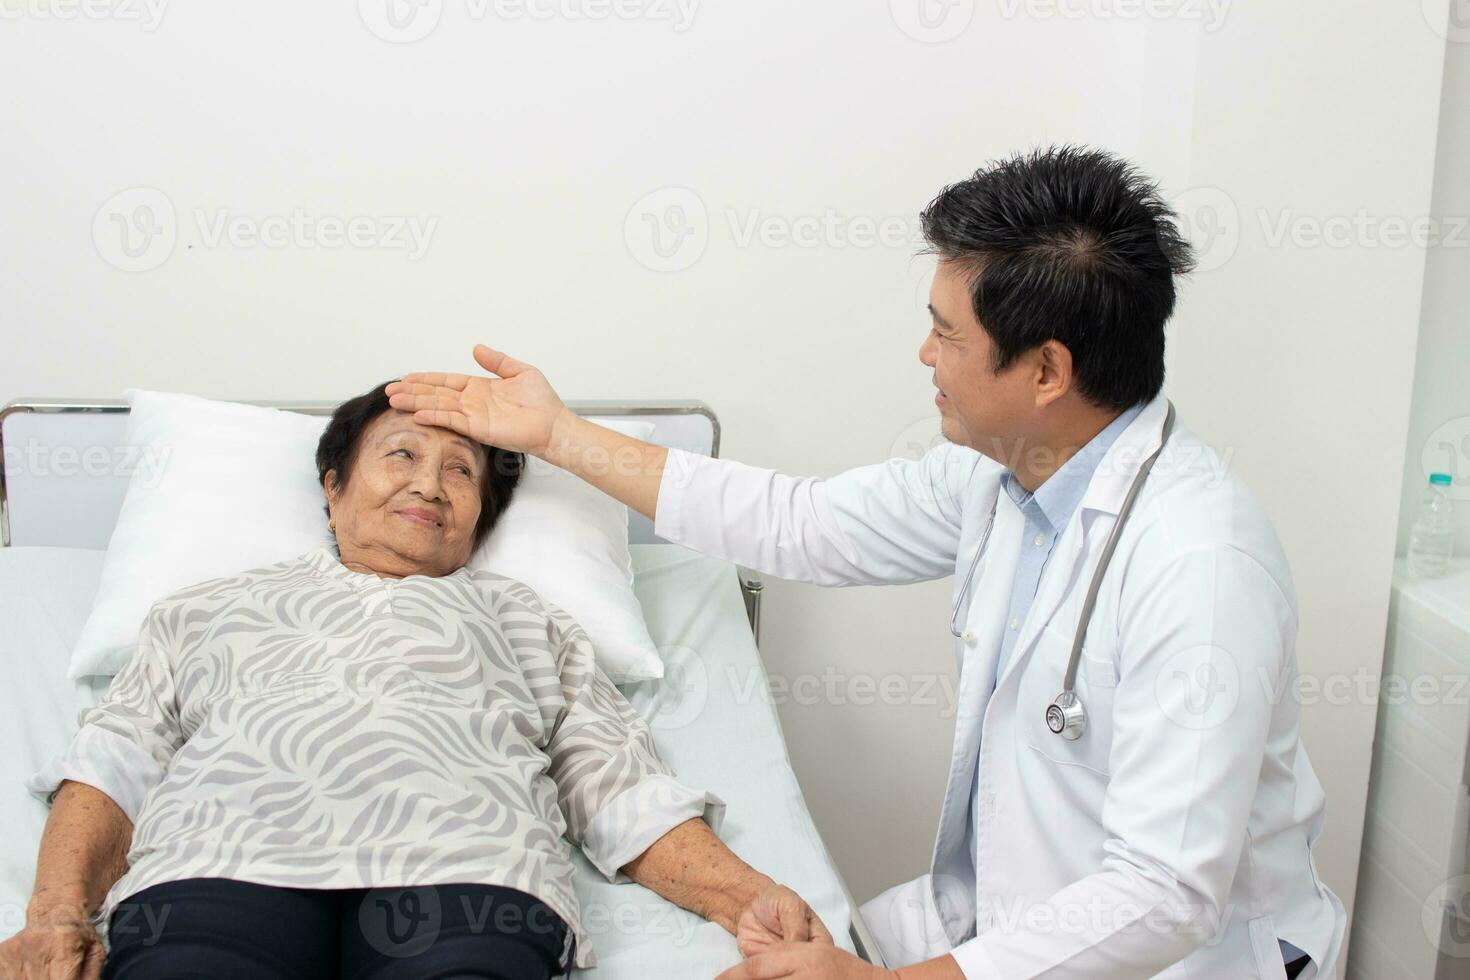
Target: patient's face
[{"x": 410, "y": 504}]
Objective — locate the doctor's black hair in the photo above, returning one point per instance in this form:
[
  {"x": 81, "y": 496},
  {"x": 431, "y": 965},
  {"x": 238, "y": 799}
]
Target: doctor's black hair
[
  {"x": 1068, "y": 244},
  {"x": 337, "y": 450}
]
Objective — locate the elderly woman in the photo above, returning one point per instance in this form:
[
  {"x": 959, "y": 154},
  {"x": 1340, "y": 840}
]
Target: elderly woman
[{"x": 366, "y": 763}]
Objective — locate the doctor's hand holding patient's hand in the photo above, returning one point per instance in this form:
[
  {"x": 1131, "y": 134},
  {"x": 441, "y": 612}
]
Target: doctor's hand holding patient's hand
[
  {"x": 778, "y": 915},
  {"x": 806, "y": 961},
  {"x": 823, "y": 961}
]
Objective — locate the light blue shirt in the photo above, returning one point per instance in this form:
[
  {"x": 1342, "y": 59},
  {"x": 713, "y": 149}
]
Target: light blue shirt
[{"x": 1047, "y": 512}]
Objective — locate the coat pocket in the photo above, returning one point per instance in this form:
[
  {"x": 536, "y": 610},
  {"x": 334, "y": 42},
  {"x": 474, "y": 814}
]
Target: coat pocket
[
  {"x": 1098, "y": 671},
  {"x": 1097, "y": 682},
  {"x": 1266, "y": 949}
]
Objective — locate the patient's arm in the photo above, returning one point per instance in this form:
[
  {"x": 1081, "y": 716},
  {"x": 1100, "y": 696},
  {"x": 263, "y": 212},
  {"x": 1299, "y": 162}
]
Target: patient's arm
[
  {"x": 693, "y": 868},
  {"x": 629, "y": 814},
  {"x": 83, "y": 852},
  {"x": 96, "y": 789}
]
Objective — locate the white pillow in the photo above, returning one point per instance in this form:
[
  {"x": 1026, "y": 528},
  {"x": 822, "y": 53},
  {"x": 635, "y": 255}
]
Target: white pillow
[
  {"x": 238, "y": 490},
  {"x": 569, "y": 541}
]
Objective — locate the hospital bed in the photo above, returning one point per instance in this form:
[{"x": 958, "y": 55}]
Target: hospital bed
[{"x": 61, "y": 487}]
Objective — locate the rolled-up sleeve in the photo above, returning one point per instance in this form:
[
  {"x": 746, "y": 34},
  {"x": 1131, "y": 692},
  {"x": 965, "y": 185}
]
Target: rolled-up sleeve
[
  {"x": 125, "y": 742},
  {"x": 617, "y": 795}
]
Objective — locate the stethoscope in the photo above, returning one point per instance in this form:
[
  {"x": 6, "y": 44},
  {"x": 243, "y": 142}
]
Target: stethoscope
[{"x": 1065, "y": 716}]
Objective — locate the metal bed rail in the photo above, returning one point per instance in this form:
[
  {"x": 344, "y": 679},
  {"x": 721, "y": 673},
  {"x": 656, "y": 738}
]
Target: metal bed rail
[
  {"x": 753, "y": 589},
  {"x": 117, "y": 406}
]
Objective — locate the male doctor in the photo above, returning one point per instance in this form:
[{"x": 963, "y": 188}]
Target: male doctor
[{"x": 1148, "y": 812}]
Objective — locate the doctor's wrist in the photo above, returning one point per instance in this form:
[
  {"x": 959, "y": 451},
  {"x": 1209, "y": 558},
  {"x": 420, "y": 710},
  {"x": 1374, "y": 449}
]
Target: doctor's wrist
[{"x": 561, "y": 449}]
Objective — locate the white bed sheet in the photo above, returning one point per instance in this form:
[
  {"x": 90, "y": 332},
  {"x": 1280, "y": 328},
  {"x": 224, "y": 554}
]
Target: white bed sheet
[
  {"x": 45, "y": 595},
  {"x": 711, "y": 716}
]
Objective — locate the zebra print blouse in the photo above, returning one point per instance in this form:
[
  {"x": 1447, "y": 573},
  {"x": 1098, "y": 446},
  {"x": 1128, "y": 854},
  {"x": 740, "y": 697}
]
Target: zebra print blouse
[{"x": 309, "y": 726}]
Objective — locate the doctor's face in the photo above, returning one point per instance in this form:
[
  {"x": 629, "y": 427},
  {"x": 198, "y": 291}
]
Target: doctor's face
[{"x": 978, "y": 407}]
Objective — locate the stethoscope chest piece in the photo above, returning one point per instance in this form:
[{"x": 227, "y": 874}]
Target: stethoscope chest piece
[{"x": 1066, "y": 717}]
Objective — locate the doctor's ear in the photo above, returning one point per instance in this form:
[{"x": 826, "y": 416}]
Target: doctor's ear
[{"x": 1053, "y": 372}]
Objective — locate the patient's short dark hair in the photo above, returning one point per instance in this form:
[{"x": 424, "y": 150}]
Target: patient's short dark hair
[
  {"x": 338, "y": 449},
  {"x": 1068, "y": 244}
]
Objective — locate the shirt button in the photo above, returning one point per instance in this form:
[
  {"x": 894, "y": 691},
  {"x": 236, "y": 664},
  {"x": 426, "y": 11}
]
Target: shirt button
[
  {"x": 969, "y": 637},
  {"x": 1015, "y": 624},
  {"x": 1040, "y": 540}
]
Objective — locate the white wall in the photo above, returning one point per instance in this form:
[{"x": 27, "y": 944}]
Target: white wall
[
  {"x": 528, "y": 142},
  {"x": 1295, "y": 354},
  {"x": 1439, "y": 427}
]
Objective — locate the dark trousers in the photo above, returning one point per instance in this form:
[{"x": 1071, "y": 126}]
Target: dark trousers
[{"x": 225, "y": 929}]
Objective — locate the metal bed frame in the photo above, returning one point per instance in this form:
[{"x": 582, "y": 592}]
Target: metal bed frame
[
  {"x": 751, "y": 587},
  {"x": 77, "y": 406}
]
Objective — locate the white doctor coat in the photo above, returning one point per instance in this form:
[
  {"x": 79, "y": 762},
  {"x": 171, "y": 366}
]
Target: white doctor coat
[{"x": 1174, "y": 838}]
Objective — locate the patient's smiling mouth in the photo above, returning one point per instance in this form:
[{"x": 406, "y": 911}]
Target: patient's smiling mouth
[{"x": 419, "y": 515}]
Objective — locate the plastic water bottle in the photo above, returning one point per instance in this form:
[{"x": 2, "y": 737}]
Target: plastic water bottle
[{"x": 1433, "y": 534}]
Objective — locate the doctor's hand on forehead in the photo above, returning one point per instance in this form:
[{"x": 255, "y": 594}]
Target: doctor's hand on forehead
[{"x": 517, "y": 409}]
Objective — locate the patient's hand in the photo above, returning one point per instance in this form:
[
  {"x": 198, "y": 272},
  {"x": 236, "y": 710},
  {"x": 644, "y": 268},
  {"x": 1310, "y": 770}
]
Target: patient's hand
[
  {"x": 693, "y": 868},
  {"x": 778, "y": 915},
  {"x": 58, "y": 946},
  {"x": 517, "y": 410}
]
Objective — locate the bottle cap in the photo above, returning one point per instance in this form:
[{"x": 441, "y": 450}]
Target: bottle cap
[{"x": 1439, "y": 480}]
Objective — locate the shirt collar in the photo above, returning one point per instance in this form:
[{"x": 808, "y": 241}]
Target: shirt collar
[
  {"x": 1054, "y": 502},
  {"x": 326, "y": 561}
]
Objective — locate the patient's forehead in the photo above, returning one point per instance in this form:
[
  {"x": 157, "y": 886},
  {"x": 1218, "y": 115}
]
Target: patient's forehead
[{"x": 396, "y": 424}]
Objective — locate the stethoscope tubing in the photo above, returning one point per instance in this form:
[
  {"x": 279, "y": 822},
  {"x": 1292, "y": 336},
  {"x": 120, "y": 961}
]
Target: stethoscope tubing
[
  {"x": 1069, "y": 681},
  {"x": 1068, "y": 697}
]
